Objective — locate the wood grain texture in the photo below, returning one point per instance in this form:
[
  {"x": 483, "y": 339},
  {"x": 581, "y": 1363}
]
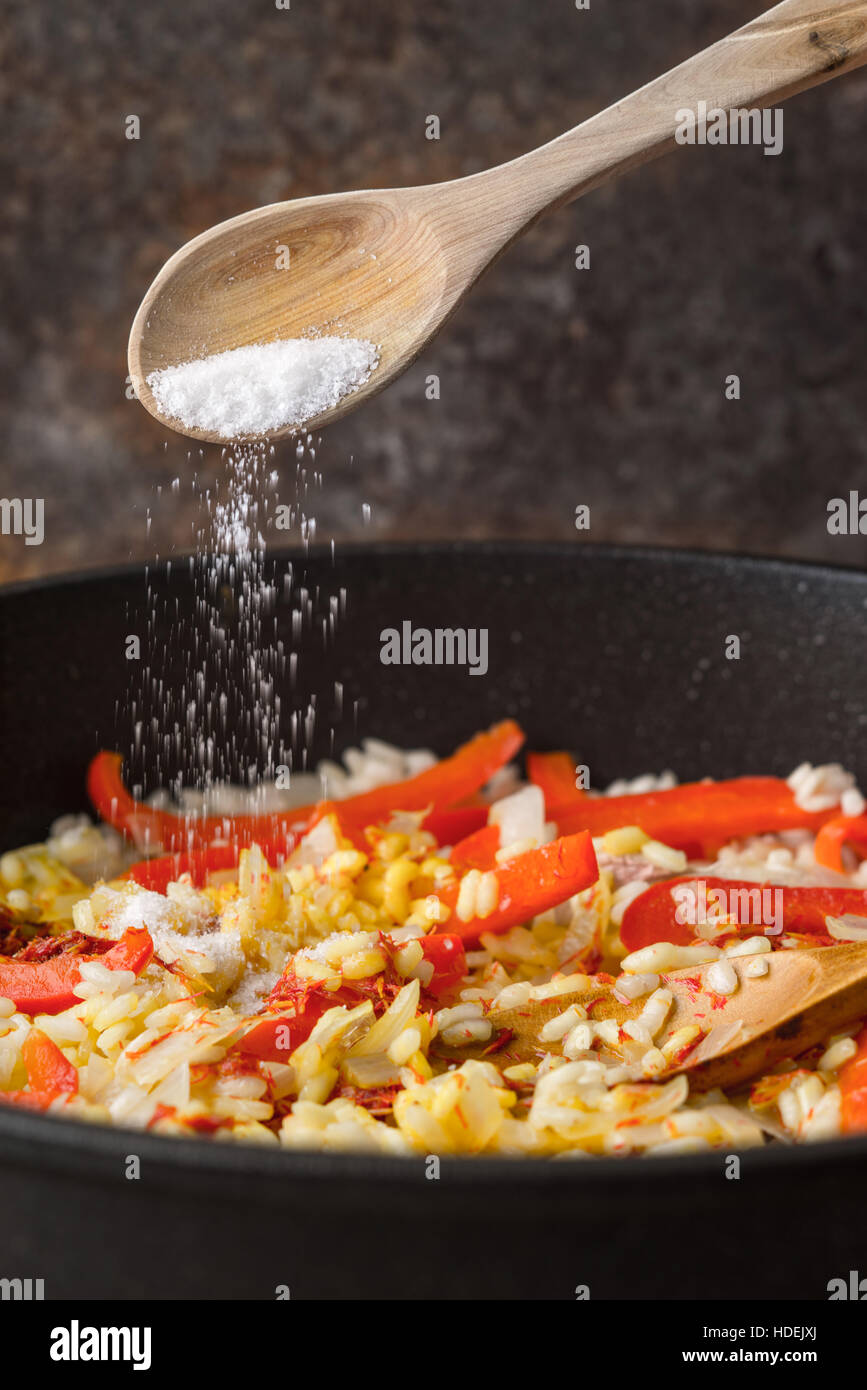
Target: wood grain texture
[
  {"x": 393, "y": 265},
  {"x": 806, "y": 995}
]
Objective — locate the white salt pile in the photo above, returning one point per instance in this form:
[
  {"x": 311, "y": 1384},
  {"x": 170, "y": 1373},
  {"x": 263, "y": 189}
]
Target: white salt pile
[{"x": 267, "y": 386}]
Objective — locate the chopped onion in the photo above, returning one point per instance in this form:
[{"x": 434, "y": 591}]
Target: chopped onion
[
  {"x": 520, "y": 816},
  {"x": 847, "y": 928}
]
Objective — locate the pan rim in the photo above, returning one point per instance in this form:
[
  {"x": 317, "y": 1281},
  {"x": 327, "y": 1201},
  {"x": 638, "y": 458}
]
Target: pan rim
[
  {"x": 74, "y": 1148},
  {"x": 410, "y": 550}
]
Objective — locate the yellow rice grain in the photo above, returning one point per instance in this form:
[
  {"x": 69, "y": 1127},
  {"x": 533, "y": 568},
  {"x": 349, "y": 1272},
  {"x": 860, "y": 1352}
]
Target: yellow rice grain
[{"x": 628, "y": 839}]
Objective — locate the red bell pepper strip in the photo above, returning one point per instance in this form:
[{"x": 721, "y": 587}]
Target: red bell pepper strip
[
  {"x": 852, "y": 1078},
  {"x": 697, "y": 817},
  {"x": 181, "y": 834},
  {"x": 274, "y": 1038},
  {"x": 529, "y": 884},
  {"x": 836, "y": 833},
  {"x": 116, "y": 806},
  {"x": 48, "y": 1071},
  {"x": 445, "y": 951},
  {"x": 47, "y": 987},
  {"x": 450, "y": 826},
  {"x": 654, "y": 914},
  {"x": 41, "y": 988},
  {"x": 49, "y": 1075},
  {"x": 349, "y": 829},
  {"x": 554, "y": 773},
  {"x": 445, "y": 784},
  {"x": 157, "y": 874},
  {"x": 132, "y": 951},
  {"x": 477, "y": 851}
]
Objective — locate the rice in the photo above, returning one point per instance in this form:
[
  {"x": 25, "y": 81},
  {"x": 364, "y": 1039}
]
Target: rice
[
  {"x": 390, "y": 1066},
  {"x": 722, "y": 977}
]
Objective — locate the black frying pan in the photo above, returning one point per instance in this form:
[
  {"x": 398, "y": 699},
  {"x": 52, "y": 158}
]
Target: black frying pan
[{"x": 616, "y": 654}]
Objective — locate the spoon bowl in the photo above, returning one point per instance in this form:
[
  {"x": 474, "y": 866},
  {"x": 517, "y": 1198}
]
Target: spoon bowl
[
  {"x": 804, "y": 996},
  {"x": 360, "y": 265}
]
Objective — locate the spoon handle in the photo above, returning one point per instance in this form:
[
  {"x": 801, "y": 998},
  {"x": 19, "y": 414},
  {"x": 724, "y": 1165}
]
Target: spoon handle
[{"x": 796, "y": 45}]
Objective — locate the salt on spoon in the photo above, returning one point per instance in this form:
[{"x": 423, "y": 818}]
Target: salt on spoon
[{"x": 265, "y": 387}]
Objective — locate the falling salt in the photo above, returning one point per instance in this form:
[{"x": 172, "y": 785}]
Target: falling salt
[
  {"x": 210, "y": 706},
  {"x": 267, "y": 386}
]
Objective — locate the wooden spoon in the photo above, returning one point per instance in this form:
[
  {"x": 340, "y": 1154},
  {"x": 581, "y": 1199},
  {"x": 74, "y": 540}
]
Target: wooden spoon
[
  {"x": 805, "y": 996},
  {"x": 391, "y": 266}
]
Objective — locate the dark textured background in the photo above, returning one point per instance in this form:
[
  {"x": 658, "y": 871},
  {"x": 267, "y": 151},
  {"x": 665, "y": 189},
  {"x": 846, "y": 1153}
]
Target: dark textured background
[{"x": 558, "y": 386}]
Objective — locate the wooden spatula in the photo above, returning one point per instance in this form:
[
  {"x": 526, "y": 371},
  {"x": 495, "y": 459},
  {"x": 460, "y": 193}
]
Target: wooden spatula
[
  {"x": 391, "y": 266},
  {"x": 805, "y": 996}
]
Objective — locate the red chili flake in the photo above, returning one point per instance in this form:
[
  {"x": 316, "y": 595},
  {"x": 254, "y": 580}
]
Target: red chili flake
[
  {"x": 188, "y": 998},
  {"x": 207, "y": 1124},
  {"x": 687, "y": 1049},
  {"x": 74, "y": 943},
  {"x": 717, "y": 1001},
  {"x": 603, "y": 978},
  {"x": 175, "y": 968},
  {"x": 162, "y": 1112},
  {"x": 380, "y": 989},
  {"x": 693, "y": 984},
  {"x": 378, "y": 1102},
  {"x": 236, "y": 1064},
  {"x": 290, "y": 989},
  {"x": 514, "y": 1060},
  {"x": 504, "y": 1036},
  {"x": 141, "y": 1051}
]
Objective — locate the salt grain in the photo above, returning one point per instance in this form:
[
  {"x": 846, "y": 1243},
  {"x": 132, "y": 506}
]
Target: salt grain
[{"x": 267, "y": 386}]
